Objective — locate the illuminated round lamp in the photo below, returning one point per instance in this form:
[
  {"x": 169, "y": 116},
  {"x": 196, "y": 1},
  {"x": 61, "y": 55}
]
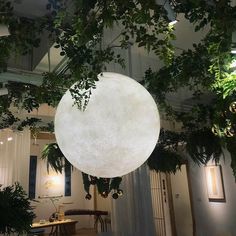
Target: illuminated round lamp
[
  {"x": 232, "y": 107},
  {"x": 229, "y": 131},
  {"x": 115, "y": 134}
]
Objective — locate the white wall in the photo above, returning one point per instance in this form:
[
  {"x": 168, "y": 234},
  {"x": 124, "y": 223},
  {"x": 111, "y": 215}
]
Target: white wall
[
  {"x": 104, "y": 204},
  {"x": 211, "y": 218},
  {"x": 181, "y": 203},
  {"x": 214, "y": 218}
]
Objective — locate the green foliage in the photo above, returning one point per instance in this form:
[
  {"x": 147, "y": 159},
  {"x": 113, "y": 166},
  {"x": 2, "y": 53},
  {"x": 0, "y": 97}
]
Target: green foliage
[
  {"x": 24, "y": 34},
  {"x": 200, "y": 145},
  {"x": 7, "y": 119},
  {"x": 164, "y": 160},
  {"x": 203, "y": 145},
  {"x": 203, "y": 70},
  {"x": 86, "y": 182},
  {"x": 16, "y": 214},
  {"x": 54, "y": 157},
  {"x": 198, "y": 118},
  {"x": 104, "y": 185},
  {"x": 226, "y": 87},
  {"x": 167, "y": 157},
  {"x": 189, "y": 70},
  {"x": 31, "y": 122},
  {"x": 53, "y": 87}
]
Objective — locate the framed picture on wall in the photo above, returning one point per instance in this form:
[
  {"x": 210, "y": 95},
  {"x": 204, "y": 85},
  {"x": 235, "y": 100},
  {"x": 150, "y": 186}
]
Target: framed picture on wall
[{"x": 215, "y": 185}]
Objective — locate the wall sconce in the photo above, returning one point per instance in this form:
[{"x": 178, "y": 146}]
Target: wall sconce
[
  {"x": 233, "y": 49},
  {"x": 4, "y": 31},
  {"x": 215, "y": 186}
]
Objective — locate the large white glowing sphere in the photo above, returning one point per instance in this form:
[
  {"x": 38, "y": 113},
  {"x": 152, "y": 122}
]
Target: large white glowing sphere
[{"x": 115, "y": 134}]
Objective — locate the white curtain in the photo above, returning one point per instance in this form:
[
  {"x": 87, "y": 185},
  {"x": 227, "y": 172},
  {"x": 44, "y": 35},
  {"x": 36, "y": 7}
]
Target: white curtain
[
  {"x": 132, "y": 213},
  {"x": 14, "y": 157}
]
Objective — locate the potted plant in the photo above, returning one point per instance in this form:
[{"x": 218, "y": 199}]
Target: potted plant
[{"x": 16, "y": 214}]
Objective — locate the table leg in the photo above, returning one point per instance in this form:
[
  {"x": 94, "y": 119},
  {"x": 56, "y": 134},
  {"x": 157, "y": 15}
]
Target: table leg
[
  {"x": 52, "y": 231},
  {"x": 63, "y": 230},
  {"x": 100, "y": 219},
  {"x": 57, "y": 230},
  {"x": 101, "y": 223},
  {"x": 105, "y": 226}
]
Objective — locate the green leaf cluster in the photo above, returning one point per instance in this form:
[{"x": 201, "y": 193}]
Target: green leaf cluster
[
  {"x": 16, "y": 215},
  {"x": 54, "y": 157}
]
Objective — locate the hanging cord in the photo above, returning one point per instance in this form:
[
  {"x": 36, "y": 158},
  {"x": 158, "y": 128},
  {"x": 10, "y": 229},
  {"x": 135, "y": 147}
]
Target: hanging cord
[{"x": 130, "y": 61}]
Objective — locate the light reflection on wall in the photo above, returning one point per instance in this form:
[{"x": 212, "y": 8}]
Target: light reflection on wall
[
  {"x": 214, "y": 183},
  {"x": 51, "y": 184},
  {"x": 211, "y": 186}
]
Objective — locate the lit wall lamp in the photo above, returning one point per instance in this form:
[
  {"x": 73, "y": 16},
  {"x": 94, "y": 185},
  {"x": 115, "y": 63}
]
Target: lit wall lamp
[
  {"x": 4, "y": 31},
  {"x": 214, "y": 181},
  {"x": 3, "y": 90},
  {"x": 233, "y": 49}
]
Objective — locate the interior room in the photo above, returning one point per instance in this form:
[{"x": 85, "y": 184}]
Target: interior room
[{"x": 118, "y": 118}]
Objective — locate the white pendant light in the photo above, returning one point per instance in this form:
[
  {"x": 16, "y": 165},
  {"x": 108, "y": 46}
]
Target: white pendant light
[{"x": 115, "y": 134}]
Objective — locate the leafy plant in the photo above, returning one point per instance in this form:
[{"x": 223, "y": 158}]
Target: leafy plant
[
  {"x": 16, "y": 214},
  {"x": 203, "y": 145},
  {"x": 54, "y": 157},
  {"x": 166, "y": 161},
  {"x": 104, "y": 186}
]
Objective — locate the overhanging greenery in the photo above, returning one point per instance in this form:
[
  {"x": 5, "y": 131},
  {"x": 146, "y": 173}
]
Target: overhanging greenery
[{"x": 207, "y": 127}]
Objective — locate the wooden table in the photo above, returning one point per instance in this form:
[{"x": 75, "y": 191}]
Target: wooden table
[
  {"x": 97, "y": 214},
  {"x": 57, "y": 227}
]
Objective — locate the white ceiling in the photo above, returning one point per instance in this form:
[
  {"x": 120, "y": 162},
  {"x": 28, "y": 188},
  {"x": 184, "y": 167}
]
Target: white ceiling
[
  {"x": 30, "y": 8},
  {"x": 184, "y": 33}
]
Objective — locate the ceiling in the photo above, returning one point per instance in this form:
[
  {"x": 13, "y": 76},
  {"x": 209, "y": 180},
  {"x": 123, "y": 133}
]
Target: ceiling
[
  {"x": 46, "y": 57},
  {"x": 30, "y": 8},
  {"x": 38, "y": 60}
]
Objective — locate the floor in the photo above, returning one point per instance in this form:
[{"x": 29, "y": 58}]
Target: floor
[
  {"x": 83, "y": 232},
  {"x": 86, "y": 232}
]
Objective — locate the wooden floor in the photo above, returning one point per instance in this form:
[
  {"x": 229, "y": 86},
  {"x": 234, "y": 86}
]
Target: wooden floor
[
  {"x": 83, "y": 232},
  {"x": 86, "y": 232}
]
